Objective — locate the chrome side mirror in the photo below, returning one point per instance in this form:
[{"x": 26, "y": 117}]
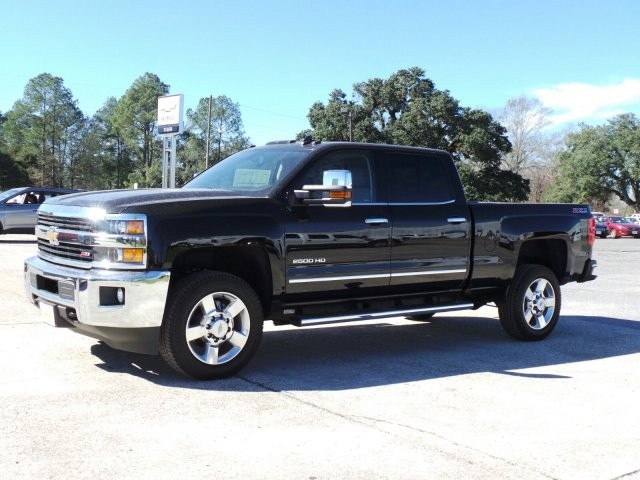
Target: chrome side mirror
[{"x": 336, "y": 189}]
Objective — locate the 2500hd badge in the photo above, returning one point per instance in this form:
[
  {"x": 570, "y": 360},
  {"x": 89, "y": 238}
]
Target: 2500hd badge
[{"x": 298, "y": 261}]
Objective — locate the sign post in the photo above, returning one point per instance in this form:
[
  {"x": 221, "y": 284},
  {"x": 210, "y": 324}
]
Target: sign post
[{"x": 170, "y": 125}]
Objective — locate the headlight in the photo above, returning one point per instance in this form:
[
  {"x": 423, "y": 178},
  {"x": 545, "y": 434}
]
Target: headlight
[
  {"x": 121, "y": 242},
  {"x": 126, "y": 227}
]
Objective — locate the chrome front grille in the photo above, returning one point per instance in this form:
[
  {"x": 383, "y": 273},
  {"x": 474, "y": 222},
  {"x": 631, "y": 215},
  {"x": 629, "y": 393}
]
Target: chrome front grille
[
  {"x": 70, "y": 223},
  {"x": 65, "y": 239},
  {"x": 68, "y": 251}
]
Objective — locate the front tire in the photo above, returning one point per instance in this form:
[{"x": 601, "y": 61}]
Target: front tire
[
  {"x": 531, "y": 306},
  {"x": 212, "y": 326}
]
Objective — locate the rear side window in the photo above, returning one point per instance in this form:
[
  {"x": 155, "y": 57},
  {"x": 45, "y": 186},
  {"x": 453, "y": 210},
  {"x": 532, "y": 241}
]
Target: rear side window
[{"x": 418, "y": 179}]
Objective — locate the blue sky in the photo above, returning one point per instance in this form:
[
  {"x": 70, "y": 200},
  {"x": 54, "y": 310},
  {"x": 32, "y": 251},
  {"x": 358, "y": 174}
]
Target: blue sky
[{"x": 276, "y": 58}]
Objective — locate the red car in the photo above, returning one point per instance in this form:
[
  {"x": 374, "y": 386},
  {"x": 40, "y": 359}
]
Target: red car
[{"x": 622, "y": 227}]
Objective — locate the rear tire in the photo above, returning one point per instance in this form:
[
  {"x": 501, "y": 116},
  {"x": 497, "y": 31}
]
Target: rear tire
[
  {"x": 212, "y": 326},
  {"x": 531, "y": 306}
]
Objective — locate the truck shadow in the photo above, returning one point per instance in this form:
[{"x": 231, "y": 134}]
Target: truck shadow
[
  {"x": 18, "y": 241},
  {"x": 368, "y": 355}
]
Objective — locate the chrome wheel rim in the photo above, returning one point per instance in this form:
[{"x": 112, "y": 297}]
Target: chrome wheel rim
[
  {"x": 217, "y": 328},
  {"x": 539, "y": 304}
]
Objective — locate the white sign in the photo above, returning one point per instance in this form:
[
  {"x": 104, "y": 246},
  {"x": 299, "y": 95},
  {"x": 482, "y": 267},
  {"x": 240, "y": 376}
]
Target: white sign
[{"x": 170, "y": 110}]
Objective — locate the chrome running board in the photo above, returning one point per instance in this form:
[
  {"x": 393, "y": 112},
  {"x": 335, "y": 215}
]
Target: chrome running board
[{"x": 307, "y": 321}]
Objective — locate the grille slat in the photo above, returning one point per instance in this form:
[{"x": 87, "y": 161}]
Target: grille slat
[
  {"x": 70, "y": 223},
  {"x": 75, "y": 252}
]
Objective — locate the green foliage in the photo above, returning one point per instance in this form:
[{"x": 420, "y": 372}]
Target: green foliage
[
  {"x": 112, "y": 159},
  {"x": 222, "y": 132},
  {"x": 135, "y": 119},
  {"x": 42, "y": 129},
  {"x": 11, "y": 173},
  {"x": 601, "y": 161},
  {"x": 407, "y": 109},
  {"x": 45, "y": 139}
]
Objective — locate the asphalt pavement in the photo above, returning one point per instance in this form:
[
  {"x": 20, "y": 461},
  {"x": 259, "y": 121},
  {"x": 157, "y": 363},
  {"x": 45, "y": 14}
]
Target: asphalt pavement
[{"x": 452, "y": 398}]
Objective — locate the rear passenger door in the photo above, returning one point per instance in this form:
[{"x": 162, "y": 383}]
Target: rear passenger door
[{"x": 430, "y": 222}]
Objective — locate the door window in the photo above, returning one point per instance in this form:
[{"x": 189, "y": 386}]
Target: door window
[
  {"x": 358, "y": 163},
  {"x": 418, "y": 179}
]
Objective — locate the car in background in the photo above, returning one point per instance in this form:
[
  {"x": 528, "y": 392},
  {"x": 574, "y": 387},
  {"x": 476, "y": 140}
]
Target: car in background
[
  {"x": 622, "y": 227},
  {"x": 18, "y": 207},
  {"x": 602, "y": 230},
  {"x": 634, "y": 220}
]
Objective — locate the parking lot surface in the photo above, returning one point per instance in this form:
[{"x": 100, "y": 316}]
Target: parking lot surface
[{"x": 450, "y": 398}]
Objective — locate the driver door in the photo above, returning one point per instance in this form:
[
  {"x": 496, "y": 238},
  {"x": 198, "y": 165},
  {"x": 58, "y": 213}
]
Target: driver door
[{"x": 338, "y": 248}]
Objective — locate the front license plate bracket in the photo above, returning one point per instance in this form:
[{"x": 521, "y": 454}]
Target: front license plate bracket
[{"x": 48, "y": 314}]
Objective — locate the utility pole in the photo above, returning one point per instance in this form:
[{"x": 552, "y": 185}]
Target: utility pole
[
  {"x": 206, "y": 156},
  {"x": 349, "y": 113}
]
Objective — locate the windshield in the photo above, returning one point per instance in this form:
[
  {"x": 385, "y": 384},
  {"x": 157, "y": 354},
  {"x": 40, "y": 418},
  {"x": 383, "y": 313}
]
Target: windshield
[
  {"x": 252, "y": 172},
  {"x": 8, "y": 193}
]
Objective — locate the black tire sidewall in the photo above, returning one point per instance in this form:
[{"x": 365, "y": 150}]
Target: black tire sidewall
[
  {"x": 184, "y": 296},
  {"x": 515, "y": 324}
]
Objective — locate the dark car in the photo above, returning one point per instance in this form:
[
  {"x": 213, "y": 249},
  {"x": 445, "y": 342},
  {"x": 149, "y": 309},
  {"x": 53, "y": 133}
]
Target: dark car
[
  {"x": 602, "y": 230},
  {"x": 622, "y": 227},
  {"x": 18, "y": 207}
]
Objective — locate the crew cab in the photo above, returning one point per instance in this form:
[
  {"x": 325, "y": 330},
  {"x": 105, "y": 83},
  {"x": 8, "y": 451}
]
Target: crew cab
[{"x": 303, "y": 233}]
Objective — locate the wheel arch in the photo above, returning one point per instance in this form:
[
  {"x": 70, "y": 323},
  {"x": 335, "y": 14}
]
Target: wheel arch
[
  {"x": 250, "y": 263},
  {"x": 550, "y": 252}
]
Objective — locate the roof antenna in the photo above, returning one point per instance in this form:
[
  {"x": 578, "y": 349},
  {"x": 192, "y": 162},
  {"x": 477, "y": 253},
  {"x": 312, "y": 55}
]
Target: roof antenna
[{"x": 307, "y": 140}]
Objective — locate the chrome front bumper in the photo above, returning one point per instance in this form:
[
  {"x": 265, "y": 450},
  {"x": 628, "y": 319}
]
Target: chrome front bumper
[{"x": 85, "y": 297}]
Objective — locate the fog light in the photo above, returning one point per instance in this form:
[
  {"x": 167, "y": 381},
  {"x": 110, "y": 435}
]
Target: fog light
[
  {"x": 120, "y": 296},
  {"x": 132, "y": 255}
]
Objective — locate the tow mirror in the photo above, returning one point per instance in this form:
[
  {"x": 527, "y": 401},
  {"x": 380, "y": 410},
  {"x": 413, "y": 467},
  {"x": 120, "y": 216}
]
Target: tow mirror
[{"x": 335, "y": 190}]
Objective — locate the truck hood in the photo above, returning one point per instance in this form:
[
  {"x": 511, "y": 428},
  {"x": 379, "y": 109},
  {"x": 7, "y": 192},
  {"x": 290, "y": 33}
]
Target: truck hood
[{"x": 117, "y": 201}]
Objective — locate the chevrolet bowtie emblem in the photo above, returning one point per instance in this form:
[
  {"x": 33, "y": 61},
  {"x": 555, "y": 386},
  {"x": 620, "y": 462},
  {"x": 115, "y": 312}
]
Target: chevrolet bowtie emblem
[{"x": 52, "y": 236}]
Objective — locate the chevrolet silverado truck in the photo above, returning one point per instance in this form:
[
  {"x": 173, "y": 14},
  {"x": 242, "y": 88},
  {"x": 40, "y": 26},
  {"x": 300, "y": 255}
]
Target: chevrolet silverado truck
[{"x": 301, "y": 233}]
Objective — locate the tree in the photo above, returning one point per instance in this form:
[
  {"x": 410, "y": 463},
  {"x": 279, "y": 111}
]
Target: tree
[
  {"x": 135, "y": 120},
  {"x": 222, "y": 130},
  {"x": 407, "y": 109},
  {"x": 3, "y": 119},
  {"x": 11, "y": 173},
  {"x": 525, "y": 119},
  {"x": 42, "y": 127},
  {"x": 601, "y": 161},
  {"x": 534, "y": 148},
  {"x": 110, "y": 148}
]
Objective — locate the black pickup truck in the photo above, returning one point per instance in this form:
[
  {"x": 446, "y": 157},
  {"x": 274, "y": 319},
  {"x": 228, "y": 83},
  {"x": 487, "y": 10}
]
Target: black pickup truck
[{"x": 299, "y": 233}]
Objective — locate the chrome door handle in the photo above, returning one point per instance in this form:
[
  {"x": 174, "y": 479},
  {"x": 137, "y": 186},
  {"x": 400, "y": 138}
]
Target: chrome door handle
[
  {"x": 455, "y": 220},
  {"x": 375, "y": 221}
]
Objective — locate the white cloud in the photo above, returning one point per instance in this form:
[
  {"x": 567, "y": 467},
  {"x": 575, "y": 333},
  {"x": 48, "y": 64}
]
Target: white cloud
[{"x": 583, "y": 102}]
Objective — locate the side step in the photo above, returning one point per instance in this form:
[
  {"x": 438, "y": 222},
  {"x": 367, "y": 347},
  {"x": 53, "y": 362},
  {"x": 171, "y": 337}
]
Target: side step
[{"x": 307, "y": 321}]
